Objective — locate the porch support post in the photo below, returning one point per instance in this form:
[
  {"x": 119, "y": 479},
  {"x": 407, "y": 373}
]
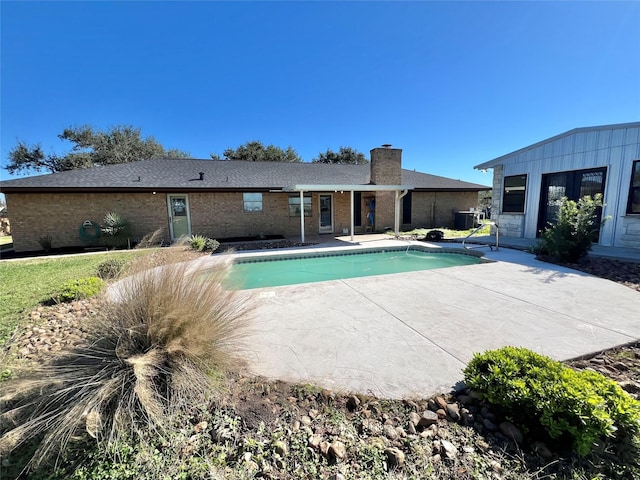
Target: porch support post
[
  {"x": 352, "y": 210},
  {"x": 301, "y": 216}
]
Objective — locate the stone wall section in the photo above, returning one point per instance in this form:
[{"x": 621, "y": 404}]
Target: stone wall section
[{"x": 630, "y": 232}]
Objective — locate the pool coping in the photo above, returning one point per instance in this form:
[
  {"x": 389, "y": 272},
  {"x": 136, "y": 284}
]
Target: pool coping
[{"x": 356, "y": 250}]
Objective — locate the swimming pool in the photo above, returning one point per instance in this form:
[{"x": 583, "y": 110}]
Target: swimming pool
[{"x": 278, "y": 270}]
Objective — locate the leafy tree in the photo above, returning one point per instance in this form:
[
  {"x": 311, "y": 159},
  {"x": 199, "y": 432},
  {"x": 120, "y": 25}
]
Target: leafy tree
[
  {"x": 346, "y": 155},
  {"x": 255, "y": 151},
  {"x": 91, "y": 147}
]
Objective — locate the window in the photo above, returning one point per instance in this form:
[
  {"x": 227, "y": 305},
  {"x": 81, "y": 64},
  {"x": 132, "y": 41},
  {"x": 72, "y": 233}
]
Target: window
[
  {"x": 252, "y": 202},
  {"x": 514, "y": 193},
  {"x": 574, "y": 185},
  {"x": 294, "y": 205},
  {"x": 634, "y": 191}
]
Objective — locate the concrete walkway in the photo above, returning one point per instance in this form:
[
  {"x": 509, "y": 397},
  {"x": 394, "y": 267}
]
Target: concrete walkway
[
  {"x": 623, "y": 253},
  {"x": 411, "y": 334}
]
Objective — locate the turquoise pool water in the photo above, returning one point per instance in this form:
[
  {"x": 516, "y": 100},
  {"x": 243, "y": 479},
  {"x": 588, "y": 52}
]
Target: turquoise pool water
[{"x": 278, "y": 270}]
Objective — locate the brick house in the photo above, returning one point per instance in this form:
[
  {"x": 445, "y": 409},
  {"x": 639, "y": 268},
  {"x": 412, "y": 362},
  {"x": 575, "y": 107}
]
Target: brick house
[{"x": 222, "y": 199}]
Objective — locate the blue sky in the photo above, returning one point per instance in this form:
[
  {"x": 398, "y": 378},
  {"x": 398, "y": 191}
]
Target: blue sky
[{"x": 453, "y": 84}]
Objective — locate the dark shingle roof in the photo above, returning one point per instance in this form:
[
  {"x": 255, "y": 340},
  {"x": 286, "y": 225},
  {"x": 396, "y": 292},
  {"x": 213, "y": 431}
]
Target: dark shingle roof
[{"x": 184, "y": 175}]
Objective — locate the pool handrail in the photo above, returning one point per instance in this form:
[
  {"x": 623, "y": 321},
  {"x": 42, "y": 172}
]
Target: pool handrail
[{"x": 478, "y": 228}]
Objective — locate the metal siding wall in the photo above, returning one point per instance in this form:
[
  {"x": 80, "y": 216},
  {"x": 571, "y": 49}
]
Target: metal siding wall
[{"x": 614, "y": 149}]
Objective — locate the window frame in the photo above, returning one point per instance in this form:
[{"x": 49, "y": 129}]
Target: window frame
[
  {"x": 308, "y": 207},
  {"x": 247, "y": 201},
  {"x": 635, "y": 169},
  {"x": 522, "y": 187}
]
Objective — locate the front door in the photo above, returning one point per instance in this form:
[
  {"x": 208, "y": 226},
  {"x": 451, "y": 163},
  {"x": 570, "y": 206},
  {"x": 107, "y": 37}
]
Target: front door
[
  {"x": 326, "y": 213},
  {"x": 179, "y": 219},
  {"x": 573, "y": 185}
]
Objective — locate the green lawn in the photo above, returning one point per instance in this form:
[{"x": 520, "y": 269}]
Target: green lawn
[
  {"x": 24, "y": 284},
  {"x": 449, "y": 233}
]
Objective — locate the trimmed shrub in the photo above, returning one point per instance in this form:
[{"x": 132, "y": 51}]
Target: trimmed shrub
[
  {"x": 78, "y": 289},
  {"x": 537, "y": 392},
  {"x": 110, "y": 269},
  {"x": 149, "y": 357},
  {"x": 577, "y": 227},
  {"x": 211, "y": 245}
]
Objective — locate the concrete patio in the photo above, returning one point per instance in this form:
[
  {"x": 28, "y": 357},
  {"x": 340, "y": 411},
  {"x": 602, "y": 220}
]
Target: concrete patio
[{"x": 411, "y": 334}]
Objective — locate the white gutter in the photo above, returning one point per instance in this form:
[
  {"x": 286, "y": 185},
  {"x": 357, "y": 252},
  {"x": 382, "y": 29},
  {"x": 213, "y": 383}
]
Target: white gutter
[
  {"x": 302, "y": 216},
  {"x": 396, "y": 223}
]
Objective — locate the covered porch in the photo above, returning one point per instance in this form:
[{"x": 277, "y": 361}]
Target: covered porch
[{"x": 389, "y": 201}]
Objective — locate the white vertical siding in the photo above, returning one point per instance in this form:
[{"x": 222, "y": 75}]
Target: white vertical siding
[{"x": 613, "y": 147}]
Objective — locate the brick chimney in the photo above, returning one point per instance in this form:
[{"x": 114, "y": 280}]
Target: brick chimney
[
  {"x": 386, "y": 169},
  {"x": 386, "y": 165}
]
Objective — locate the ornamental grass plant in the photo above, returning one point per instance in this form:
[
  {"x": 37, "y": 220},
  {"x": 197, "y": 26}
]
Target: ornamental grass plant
[{"x": 164, "y": 333}]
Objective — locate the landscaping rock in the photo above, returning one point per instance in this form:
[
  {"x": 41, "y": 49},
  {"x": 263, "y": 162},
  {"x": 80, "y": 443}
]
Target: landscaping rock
[
  {"x": 489, "y": 425},
  {"x": 541, "y": 449},
  {"x": 453, "y": 410},
  {"x": 395, "y": 457},
  {"x": 428, "y": 418},
  {"x": 390, "y": 432},
  {"x": 450, "y": 451},
  {"x": 315, "y": 441},
  {"x": 353, "y": 402},
  {"x": 338, "y": 450},
  {"x": 510, "y": 431},
  {"x": 414, "y": 419}
]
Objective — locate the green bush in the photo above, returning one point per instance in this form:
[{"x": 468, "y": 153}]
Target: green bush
[
  {"x": 78, "y": 289},
  {"x": 575, "y": 230},
  {"x": 211, "y": 245},
  {"x": 202, "y": 243},
  {"x": 110, "y": 268},
  {"x": 535, "y": 391}
]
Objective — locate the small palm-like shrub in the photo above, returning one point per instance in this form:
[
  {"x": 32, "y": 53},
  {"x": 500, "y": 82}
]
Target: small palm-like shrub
[
  {"x": 574, "y": 232},
  {"x": 45, "y": 242},
  {"x": 201, "y": 243},
  {"x": 78, "y": 289},
  {"x": 537, "y": 392},
  {"x": 149, "y": 356},
  {"x": 115, "y": 230}
]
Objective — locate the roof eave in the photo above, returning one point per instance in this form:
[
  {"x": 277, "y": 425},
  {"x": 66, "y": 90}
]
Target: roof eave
[
  {"x": 348, "y": 188},
  {"x": 499, "y": 160}
]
